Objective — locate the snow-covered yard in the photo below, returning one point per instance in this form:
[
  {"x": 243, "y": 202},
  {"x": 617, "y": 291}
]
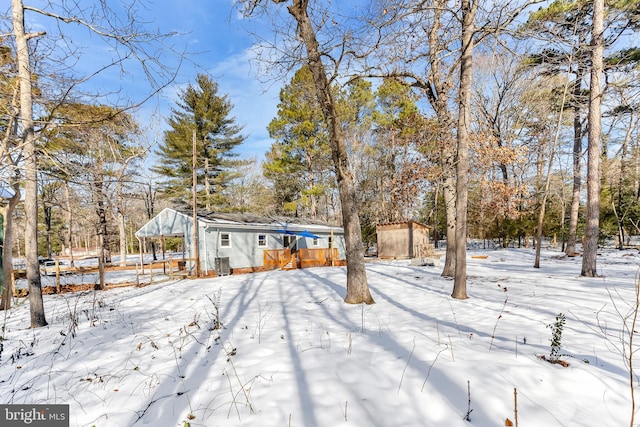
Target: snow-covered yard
[{"x": 280, "y": 348}]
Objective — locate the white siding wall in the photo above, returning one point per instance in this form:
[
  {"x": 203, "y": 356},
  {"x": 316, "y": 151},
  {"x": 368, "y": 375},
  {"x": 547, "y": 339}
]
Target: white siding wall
[{"x": 244, "y": 250}]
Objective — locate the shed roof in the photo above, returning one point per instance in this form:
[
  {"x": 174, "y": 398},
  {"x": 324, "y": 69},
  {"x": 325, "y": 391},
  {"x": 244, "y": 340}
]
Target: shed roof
[{"x": 410, "y": 221}]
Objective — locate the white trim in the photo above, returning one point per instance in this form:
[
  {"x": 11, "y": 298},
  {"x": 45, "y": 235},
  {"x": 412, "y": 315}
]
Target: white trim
[{"x": 228, "y": 239}]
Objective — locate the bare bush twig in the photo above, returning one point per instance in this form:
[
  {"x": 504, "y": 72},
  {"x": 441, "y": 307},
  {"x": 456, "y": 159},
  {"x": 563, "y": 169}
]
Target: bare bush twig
[
  {"x": 407, "y": 364},
  {"x": 493, "y": 334},
  {"x": 467, "y": 416},
  {"x": 430, "y": 367}
]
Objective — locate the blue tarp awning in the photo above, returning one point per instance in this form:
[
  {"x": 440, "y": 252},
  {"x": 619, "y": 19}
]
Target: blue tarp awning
[{"x": 303, "y": 233}]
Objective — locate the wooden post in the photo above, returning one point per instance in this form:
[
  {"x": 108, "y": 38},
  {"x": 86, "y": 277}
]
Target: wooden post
[
  {"x": 333, "y": 263},
  {"x": 142, "y": 251},
  {"x": 515, "y": 405},
  {"x": 196, "y": 249},
  {"x": 58, "y": 286},
  {"x": 163, "y": 254}
]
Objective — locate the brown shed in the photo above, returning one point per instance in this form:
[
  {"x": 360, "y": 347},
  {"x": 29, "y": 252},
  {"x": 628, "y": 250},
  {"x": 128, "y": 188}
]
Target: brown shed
[{"x": 408, "y": 239}]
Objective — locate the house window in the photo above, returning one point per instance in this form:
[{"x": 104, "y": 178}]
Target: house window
[
  {"x": 330, "y": 242},
  {"x": 262, "y": 240},
  {"x": 225, "y": 240},
  {"x": 286, "y": 241},
  {"x": 316, "y": 241}
]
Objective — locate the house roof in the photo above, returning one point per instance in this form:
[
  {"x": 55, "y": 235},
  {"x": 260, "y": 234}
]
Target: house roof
[
  {"x": 6, "y": 192},
  {"x": 279, "y": 224},
  {"x": 248, "y": 218}
]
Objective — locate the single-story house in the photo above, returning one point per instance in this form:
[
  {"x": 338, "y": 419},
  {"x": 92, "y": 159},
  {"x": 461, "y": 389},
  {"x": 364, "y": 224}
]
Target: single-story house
[
  {"x": 407, "y": 239},
  {"x": 240, "y": 242}
]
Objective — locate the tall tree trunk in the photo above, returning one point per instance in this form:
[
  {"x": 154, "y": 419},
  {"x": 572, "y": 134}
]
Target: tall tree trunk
[
  {"x": 577, "y": 168},
  {"x": 449, "y": 196},
  {"x": 636, "y": 170},
  {"x": 120, "y": 218},
  {"x": 9, "y": 207},
  {"x": 462, "y": 158},
  {"x": 547, "y": 184},
  {"x": 101, "y": 257},
  {"x": 47, "y": 215},
  {"x": 313, "y": 199},
  {"x": 67, "y": 198},
  {"x": 437, "y": 91},
  {"x": 101, "y": 230},
  {"x": 543, "y": 203},
  {"x": 357, "y": 287},
  {"x": 122, "y": 233},
  {"x": 622, "y": 176},
  {"x": 7, "y": 248},
  {"x": 592, "y": 229},
  {"x": 36, "y": 304}
]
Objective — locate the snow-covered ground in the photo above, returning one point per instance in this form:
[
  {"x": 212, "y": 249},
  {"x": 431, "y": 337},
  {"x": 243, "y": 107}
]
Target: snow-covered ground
[{"x": 290, "y": 353}]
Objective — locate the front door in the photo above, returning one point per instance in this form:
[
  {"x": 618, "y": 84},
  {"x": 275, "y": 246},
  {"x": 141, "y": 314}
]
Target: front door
[{"x": 289, "y": 241}]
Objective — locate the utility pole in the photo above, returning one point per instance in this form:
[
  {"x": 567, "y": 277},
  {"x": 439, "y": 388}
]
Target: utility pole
[{"x": 196, "y": 244}]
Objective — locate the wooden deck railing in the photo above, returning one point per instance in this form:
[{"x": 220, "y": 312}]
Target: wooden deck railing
[
  {"x": 303, "y": 258},
  {"x": 321, "y": 257},
  {"x": 276, "y": 258}
]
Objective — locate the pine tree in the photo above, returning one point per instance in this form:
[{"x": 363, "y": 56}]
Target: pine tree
[
  {"x": 400, "y": 132},
  {"x": 201, "y": 109},
  {"x": 298, "y": 164}
]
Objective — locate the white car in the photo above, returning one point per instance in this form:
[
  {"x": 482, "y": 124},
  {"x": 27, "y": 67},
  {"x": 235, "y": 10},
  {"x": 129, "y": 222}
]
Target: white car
[{"x": 48, "y": 268}]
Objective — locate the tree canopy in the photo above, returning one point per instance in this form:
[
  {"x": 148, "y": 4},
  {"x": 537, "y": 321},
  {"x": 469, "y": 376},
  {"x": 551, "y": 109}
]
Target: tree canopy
[{"x": 200, "y": 110}]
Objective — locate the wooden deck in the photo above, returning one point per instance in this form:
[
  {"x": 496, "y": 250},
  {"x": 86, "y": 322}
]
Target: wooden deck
[{"x": 303, "y": 258}]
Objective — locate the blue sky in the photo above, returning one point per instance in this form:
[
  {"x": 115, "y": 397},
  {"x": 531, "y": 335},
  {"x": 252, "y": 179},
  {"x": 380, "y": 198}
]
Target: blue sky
[
  {"x": 218, "y": 44},
  {"x": 222, "y": 48}
]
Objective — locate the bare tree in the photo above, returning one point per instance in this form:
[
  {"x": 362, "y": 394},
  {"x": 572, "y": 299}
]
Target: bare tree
[
  {"x": 547, "y": 183},
  {"x": 101, "y": 158},
  {"x": 70, "y": 222},
  {"x": 10, "y": 157},
  {"x": 7, "y": 250},
  {"x": 357, "y": 286},
  {"x": 436, "y": 85},
  {"x": 28, "y": 134},
  {"x": 469, "y": 10},
  {"x": 128, "y": 40},
  {"x": 451, "y": 33},
  {"x": 500, "y": 86}
]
